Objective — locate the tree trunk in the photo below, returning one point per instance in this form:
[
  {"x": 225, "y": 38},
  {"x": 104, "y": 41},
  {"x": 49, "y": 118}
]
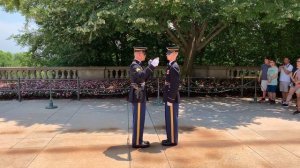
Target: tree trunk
[
  {"x": 189, "y": 54},
  {"x": 188, "y": 63},
  {"x": 192, "y": 41}
]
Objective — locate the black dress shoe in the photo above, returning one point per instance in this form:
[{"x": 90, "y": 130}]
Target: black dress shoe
[
  {"x": 145, "y": 144},
  {"x": 296, "y": 112},
  {"x": 167, "y": 143}
]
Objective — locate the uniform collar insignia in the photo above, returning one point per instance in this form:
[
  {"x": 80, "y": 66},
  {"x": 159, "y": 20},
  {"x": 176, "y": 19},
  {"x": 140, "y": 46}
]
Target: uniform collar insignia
[
  {"x": 171, "y": 63},
  {"x": 138, "y": 62}
]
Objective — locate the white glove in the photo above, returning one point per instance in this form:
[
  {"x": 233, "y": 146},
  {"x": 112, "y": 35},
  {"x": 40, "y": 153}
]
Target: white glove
[
  {"x": 155, "y": 62},
  {"x": 169, "y": 104},
  {"x": 149, "y": 62}
]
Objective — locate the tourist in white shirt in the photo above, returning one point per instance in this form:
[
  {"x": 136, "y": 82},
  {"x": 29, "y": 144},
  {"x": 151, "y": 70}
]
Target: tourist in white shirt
[{"x": 285, "y": 78}]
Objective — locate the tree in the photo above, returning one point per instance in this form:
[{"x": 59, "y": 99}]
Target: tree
[
  {"x": 5, "y": 58},
  {"x": 189, "y": 24},
  {"x": 193, "y": 24},
  {"x": 72, "y": 29},
  {"x": 85, "y": 33},
  {"x": 8, "y": 59}
]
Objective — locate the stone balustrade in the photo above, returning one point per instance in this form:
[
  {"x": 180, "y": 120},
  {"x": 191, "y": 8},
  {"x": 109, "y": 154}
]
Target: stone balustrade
[
  {"x": 224, "y": 72},
  {"x": 38, "y": 73},
  {"x": 116, "y": 72},
  {"x": 243, "y": 72},
  {"x": 7, "y": 73},
  {"x": 123, "y": 72}
]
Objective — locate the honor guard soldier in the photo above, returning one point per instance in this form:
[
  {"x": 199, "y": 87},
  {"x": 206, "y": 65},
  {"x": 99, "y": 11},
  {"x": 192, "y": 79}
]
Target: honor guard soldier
[
  {"x": 171, "y": 97},
  {"x": 137, "y": 94}
]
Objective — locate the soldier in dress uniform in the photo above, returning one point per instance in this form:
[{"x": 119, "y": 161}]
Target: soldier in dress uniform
[
  {"x": 171, "y": 97},
  {"x": 137, "y": 94}
]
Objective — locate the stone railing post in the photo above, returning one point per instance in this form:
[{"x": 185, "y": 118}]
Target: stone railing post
[
  {"x": 63, "y": 74},
  {"x": 9, "y": 74},
  {"x": 46, "y": 74},
  {"x": 68, "y": 74}
]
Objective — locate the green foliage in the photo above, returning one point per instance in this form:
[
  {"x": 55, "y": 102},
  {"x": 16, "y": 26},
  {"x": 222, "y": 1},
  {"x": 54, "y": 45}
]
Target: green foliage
[
  {"x": 5, "y": 58},
  {"x": 194, "y": 24},
  {"x": 277, "y": 12},
  {"x": 8, "y": 59},
  {"x": 83, "y": 33},
  {"x": 102, "y": 33},
  {"x": 248, "y": 44}
]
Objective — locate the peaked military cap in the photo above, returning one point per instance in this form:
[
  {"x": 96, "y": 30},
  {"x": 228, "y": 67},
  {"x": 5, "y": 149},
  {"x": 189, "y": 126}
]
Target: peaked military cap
[
  {"x": 140, "y": 48},
  {"x": 172, "y": 49}
]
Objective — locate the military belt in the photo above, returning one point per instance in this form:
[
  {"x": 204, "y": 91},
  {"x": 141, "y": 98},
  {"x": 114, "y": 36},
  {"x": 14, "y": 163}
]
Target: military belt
[
  {"x": 138, "y": 85},
  {"x": 138, "y": 89}
]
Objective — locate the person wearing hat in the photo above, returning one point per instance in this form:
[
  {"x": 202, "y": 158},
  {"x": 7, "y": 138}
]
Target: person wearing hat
[
  {"x": 137, "y": 94},
  {"x": 171, "y": 97}
]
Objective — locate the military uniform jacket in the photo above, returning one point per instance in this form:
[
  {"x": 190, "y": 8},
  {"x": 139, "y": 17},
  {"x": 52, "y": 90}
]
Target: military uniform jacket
[
  {"x": 138, "y": 77},
  {"x": 172, "y": 81}
]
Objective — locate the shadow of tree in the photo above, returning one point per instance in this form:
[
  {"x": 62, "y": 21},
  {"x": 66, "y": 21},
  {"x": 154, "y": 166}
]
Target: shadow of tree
[{"x": 114, "y": 115}]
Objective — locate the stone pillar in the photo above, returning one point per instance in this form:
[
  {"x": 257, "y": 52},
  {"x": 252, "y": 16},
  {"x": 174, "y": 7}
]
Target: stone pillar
[
  {"x": 34, "y": 74},
  {"x": 46, "y": 74},
  {"x": 3, "y": 74},
  {"x": 8, "y": 74},
  {"x": 38, "y": 74},
  {"x": 63, "y": 74},
  {"x": 56, "y": 74},
  {"x": 68, "y": 74}
]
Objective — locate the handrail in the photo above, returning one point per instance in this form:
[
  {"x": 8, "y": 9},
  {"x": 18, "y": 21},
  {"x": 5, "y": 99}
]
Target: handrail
[{"x": 79, "y": 86}]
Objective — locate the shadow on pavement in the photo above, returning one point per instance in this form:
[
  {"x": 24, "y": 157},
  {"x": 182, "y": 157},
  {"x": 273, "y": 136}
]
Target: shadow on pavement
[
  {"x": 111, "y": 115},
  {"x": 118, "y": 152}
]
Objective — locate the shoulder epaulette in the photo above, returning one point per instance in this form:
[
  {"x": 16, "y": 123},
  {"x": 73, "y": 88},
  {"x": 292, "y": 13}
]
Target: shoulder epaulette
[{"x": 176, "y": 67}]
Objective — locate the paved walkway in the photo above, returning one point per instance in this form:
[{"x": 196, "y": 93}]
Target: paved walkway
[{"x": 217, "y": 132}]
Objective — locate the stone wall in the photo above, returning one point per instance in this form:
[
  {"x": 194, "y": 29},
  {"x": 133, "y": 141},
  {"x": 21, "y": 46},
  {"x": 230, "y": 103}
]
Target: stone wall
[{"x": 117, "y": 72}]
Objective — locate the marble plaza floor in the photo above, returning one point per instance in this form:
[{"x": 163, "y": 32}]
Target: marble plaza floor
[{"x": 93, "y": 133}]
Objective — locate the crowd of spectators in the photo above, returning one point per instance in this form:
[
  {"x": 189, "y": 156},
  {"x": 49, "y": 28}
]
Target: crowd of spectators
[{"x": 284, "y": 78}]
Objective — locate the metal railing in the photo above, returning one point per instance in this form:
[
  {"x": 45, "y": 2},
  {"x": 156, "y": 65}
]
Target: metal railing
[
  {"x": 19, "y": 82},
  {"x": 77, "y": 87},
  {"x": 197, "y": 85}
]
